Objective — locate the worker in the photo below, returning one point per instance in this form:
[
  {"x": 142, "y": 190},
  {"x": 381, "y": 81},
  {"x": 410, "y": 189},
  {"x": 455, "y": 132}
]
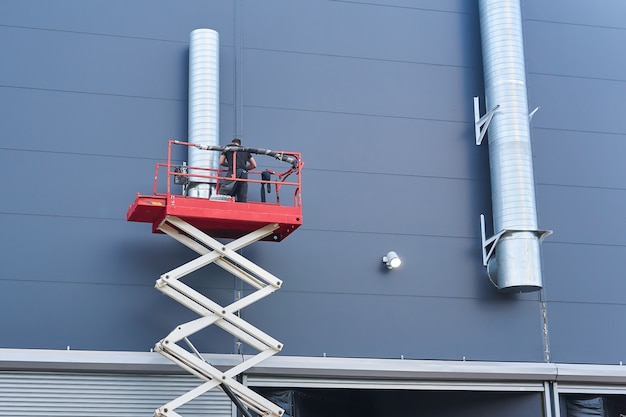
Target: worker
[{"x": 238, "y": 162}]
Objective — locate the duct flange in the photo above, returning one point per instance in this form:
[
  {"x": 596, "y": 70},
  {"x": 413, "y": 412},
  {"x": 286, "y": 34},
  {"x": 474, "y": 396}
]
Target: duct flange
[{"x": 519, "y": 247}]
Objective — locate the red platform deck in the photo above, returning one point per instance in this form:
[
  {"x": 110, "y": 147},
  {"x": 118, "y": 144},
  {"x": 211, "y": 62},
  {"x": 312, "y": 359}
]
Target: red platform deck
[
  {"x": 221, "y": 218},
  {"x": 227, "y": 219}
]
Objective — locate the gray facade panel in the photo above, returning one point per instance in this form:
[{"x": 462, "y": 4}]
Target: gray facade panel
[
  {"x": 70, "y": 185},
  {"x": 378, "y": 99},
  {"x": 340, "y": 142},
  {"x": 99, "y": 125},
  {"x": 575, "y": 77},
  {"x": 93, "y": 316},
  {"x": 68, "y": 61},
  {"x": 577, "y": 217},
  {"x": 95, "y": 251},
  {"x": 288, "y": 80},
  {"x": 88, "y": 283},
  {"x": 377, "y": 31},
  {"x": 543, "y": 38},
  {"x": 584, "y": 273},
  {"x": 151, "y": 19},
  {"x": 349, "y": 262},
  {"x": 393, "y": 209},
  {"x": 580, "y": 159},
  {"x": 110, "y": 95},
  {"x": 579, "y": 104},
  {"x": 459, "y": 6},
  {"x": 587, "y": 332},
  {"x": 607, "y": 13},
  {"x": 354, "y": 325}
]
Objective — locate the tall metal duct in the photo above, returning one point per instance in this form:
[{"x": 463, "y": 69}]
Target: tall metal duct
[
  {"x": 512, "y": 255},
  {"x": 203, "y": 108}
]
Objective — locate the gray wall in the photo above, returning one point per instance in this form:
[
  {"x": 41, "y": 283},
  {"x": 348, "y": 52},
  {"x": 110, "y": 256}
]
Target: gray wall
[
  {"x": 378, "y": 98},
  {"x": 576, "y": 74}
]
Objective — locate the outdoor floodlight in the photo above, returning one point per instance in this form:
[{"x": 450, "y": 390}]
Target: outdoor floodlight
[{"x": 392, "y": 260}]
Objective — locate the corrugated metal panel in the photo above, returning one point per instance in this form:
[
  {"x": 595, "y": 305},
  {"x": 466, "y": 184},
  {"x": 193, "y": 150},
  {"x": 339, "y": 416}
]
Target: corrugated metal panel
[{"x": 94, "y": 394}]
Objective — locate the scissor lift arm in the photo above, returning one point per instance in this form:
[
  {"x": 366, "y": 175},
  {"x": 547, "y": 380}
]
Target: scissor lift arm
[
  {"x": 225, "y": 256},
  {"x": 196, "y": 222}
]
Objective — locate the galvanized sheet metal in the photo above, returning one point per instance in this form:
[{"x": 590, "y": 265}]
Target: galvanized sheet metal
[
  {"x": 204, "y": 103},
  {"x": 516, "y": 265}
]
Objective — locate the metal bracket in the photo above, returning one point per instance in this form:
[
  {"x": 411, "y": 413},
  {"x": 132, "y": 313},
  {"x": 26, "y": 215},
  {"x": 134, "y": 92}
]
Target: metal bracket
[
  {"x": 489, "y": 245},
  {"x": 532, "y": 113},
  {"x": 482, "y": 123}
]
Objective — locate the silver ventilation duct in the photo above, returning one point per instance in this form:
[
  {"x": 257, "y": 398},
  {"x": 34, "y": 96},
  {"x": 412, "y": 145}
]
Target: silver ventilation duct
[
  {"x": 512, "y": 256},
  {"x": 203, "y": 108}
]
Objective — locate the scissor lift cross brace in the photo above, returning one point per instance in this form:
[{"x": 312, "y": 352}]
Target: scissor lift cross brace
[{"x": 225, "y": 256}]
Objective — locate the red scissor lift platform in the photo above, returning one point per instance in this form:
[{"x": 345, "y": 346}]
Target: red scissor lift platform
[
  {"x": 195, "y": 222},
  {"x": 223, "y": 218}
]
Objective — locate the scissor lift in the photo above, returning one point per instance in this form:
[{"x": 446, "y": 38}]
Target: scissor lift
[{"x": 196, "y": 222}]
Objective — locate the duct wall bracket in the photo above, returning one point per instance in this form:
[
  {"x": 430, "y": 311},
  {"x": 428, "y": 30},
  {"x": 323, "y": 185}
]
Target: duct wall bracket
[
  {"x": 482, "y": 123},
  {"x": 532, "y": 113},
  {"x": 489, "y": 245}
]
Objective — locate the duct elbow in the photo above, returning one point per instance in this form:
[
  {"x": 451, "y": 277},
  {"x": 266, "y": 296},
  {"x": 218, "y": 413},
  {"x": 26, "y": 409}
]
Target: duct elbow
[{"x": 516, "y": 265}]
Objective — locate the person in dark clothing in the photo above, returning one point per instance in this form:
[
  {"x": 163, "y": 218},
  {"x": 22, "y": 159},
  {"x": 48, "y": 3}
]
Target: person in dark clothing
[{"x": 239, "y": 162}]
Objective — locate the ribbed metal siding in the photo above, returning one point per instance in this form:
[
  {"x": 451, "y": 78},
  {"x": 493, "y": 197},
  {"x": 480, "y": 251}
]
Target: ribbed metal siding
[{"x": 93, "y": 394}]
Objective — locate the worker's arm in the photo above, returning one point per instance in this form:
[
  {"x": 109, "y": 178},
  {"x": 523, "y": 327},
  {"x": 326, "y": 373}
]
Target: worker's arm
[
  {"x": 251, "y": 164},
  {"x": 223, "y": 160}
]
